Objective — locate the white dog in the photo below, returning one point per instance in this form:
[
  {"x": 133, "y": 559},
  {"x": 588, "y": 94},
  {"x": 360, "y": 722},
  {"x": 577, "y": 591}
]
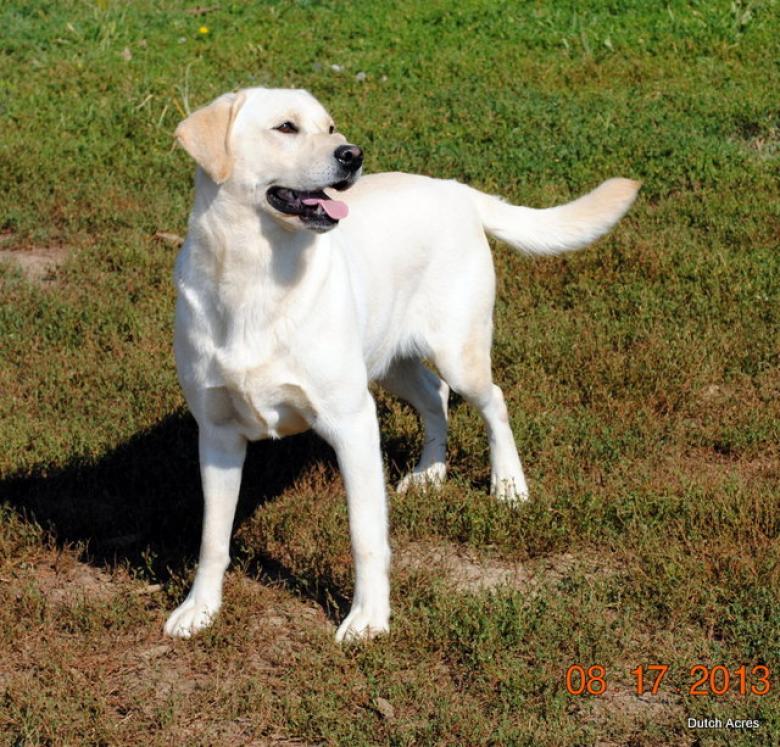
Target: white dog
[{"x": 291, "y": 301}]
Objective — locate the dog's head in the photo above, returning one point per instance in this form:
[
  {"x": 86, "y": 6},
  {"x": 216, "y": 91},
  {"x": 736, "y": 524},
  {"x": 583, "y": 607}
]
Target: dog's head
[{"x": 278, "y": 149}]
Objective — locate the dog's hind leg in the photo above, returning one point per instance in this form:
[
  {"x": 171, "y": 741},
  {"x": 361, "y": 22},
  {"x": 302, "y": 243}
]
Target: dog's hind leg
[
  {"x": 465, "y": 366},
  {"x": 410, "y": 380}
]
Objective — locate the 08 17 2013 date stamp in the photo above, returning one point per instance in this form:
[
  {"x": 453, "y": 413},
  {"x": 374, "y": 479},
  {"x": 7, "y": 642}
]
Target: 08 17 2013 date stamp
[{"x": 704, "y": 681}]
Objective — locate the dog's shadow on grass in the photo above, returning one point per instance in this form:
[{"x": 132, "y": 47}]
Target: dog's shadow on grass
[{"x": 140, "y": 504}]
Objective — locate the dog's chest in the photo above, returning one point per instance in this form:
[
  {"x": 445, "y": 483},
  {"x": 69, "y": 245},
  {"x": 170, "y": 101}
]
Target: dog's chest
[
  {"x": 264, "y": 400},
  {"x": 237, "y": 371}
]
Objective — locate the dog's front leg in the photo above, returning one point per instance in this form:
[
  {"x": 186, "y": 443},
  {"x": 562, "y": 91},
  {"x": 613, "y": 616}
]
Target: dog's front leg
[
  {"x": 221, "y": 461},
  {"x": 355, "y": 439}
]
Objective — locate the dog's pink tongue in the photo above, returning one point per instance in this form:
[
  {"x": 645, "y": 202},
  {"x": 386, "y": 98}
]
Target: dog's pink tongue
[{"x": 335, "y": 209}]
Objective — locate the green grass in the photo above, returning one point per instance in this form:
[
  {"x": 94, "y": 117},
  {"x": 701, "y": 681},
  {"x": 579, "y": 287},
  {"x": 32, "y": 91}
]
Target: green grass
[{"x": 641, "y": 376}]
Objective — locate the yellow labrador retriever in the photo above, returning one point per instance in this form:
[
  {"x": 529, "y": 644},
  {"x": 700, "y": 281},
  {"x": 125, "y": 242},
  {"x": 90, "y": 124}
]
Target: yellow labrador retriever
[{"x": 291, "y": 299}]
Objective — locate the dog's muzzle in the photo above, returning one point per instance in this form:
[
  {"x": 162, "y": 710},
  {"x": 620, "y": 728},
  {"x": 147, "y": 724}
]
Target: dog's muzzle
[{"x": 314, "y": 208}]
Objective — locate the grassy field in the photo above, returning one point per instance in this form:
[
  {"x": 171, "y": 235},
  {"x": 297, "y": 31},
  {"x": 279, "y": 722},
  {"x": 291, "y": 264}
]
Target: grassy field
[{"x": 641, "y": 376}]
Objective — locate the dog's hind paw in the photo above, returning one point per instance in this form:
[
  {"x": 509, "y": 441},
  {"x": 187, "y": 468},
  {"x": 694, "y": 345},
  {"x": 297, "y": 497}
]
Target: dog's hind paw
[
  {"x": 431, "y": 478},
  {"x": 361, "y": 624},
  {"x": 190, "y": 617}
]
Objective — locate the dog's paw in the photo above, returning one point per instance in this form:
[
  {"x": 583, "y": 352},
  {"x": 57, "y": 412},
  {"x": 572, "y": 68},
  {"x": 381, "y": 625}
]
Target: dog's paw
[
  {"x": 511, "y": 490},
  {"x": 362, "y": 624},
  {"x": 191, "y": 616},
  {"x": 431, "y": 478}
]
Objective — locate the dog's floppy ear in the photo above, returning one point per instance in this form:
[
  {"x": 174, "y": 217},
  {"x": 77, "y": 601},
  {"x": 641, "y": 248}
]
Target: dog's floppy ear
[{"x": 205, "y": 134}]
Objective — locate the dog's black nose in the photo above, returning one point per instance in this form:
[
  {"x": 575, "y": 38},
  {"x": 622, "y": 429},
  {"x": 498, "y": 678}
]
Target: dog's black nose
[{"x": 349, "y": 156}]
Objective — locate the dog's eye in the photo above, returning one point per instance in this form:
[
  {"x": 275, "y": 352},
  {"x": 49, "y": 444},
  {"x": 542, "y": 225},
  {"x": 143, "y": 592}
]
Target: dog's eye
[
  {"x": 332, "y": 129},
  {"x": 288, "y": 128}
]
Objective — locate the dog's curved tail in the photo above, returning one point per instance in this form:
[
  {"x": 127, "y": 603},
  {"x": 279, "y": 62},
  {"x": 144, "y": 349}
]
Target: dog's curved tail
[{"x": 563, "y": 228}]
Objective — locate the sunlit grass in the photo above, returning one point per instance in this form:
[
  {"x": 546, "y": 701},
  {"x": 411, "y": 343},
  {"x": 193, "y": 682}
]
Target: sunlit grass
[{"x": 641, "y": 377}]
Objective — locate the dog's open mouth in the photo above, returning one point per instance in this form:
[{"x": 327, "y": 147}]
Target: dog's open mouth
[{"x": 315, "y": 208}]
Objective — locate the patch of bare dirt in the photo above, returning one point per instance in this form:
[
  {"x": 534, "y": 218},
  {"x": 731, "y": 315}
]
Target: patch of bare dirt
[
  {"x": 268, "y": 629},
  {"x": 281, "y": 623},
  {"x": 710, "y": 470},
  {"x": 468, "y": 572},
  {"x": 170, "y": 238},
  {"x": 622, "y": 708},
  {"x": 62, "y": 579},
  {"x": 38, "y": 264}
]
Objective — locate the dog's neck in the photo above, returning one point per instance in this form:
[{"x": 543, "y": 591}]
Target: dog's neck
[{"x": 242, "y": 249}]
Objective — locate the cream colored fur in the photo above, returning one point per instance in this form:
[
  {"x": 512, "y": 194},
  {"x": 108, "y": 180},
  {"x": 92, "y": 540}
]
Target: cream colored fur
[{"x": 279, "y": 329}]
